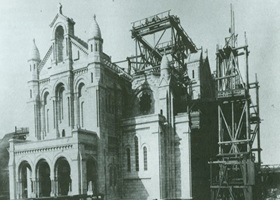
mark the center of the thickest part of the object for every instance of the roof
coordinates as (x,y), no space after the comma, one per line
(94,30)
(34,53)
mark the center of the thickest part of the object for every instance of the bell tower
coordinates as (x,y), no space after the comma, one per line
(63,29)
(34,99)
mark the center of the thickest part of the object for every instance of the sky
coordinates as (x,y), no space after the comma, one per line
(206,22)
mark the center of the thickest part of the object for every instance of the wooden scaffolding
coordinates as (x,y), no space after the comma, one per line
(233,174)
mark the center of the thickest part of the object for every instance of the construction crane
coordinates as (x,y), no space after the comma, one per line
(233,173)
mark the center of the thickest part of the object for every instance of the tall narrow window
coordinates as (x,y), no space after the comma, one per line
(30,93)
(47,115)
(145,158)
(82,114)
(128,159)
(68,103)
(96,47)
(91,48)
(66,46)
(59,40)
(54,114)
(136,153)
(91,77)
(61,96)
(192,73)
(82,104)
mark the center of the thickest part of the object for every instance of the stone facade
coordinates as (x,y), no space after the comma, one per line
(96,129)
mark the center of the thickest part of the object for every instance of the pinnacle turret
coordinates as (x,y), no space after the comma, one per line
(34,53)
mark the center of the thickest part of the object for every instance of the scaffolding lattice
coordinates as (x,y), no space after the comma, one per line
(233,174)
(158,35)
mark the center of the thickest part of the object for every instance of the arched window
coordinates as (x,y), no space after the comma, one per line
(128,159)
(145,159)
(82,104)
(61,97)
(145,102)
(136,153)
(59,40)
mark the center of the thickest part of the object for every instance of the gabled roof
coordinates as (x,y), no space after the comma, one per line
(59,14)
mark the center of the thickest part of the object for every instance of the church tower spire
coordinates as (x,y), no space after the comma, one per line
(34,99)
(34,60)
(95,41)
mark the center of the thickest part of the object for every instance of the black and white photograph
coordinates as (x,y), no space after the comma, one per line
(139,100)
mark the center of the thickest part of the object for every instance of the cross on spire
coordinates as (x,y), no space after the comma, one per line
(60,8)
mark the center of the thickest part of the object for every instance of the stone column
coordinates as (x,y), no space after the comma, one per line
(12,170)
(52,178)
(75,177)
(77,110)
(33,187)
(43,120)
(185,174)
(29,182)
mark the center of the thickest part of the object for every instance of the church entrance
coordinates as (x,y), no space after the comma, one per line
(44,179)
(63,172)
(25,177)
(91,177)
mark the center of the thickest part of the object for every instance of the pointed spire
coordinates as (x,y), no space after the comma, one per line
(94,30)
(34,54)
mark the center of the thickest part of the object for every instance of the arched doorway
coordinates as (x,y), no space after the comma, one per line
(63,171)
(43,175)
(91,177)
(25,180)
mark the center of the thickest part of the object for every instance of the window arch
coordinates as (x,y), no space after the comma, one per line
(61,102)
(82,104)
(136,153)
(145,102)
(145,158)
(128,160)
(59,40)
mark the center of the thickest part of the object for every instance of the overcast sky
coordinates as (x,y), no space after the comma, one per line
(206,22)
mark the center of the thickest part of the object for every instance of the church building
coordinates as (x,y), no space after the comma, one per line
(97,129)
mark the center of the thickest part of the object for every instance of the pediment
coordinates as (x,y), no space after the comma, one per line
(61,18)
